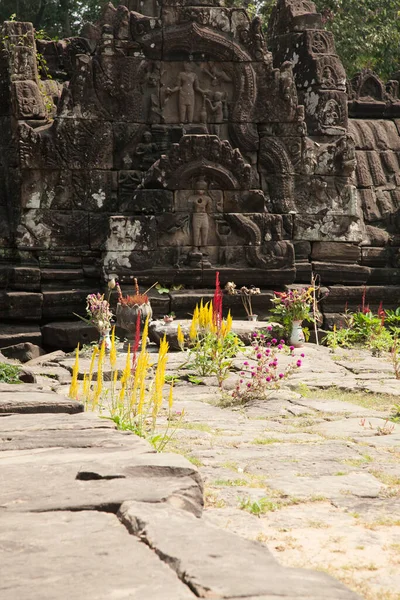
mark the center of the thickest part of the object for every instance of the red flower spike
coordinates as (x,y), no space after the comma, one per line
(217,302)
(136,342)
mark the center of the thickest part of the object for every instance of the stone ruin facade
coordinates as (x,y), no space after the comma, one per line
(172,140)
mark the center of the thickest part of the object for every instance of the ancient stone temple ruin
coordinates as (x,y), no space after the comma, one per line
(172,139)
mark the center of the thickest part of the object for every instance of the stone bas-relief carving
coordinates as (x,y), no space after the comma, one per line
(174,143)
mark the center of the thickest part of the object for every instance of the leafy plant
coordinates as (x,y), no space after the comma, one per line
(194,380)
(395,355)
(213,345)
(396,415)
(362,328)
(257,507)
(9,373)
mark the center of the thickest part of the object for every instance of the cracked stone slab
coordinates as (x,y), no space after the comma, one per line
(93,478)
(217,564)
(80,555)
(37,402)
(353,427)
(361,485)
(367,365)
(52,422)
(385,387)
(336,407)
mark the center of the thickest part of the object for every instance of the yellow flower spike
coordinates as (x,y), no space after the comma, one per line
(194,327)
(99,383)
(145,334)
(210,318)
(223,329)
(228,323)
(74,387)
(113,350)
(92,361)
(180,337)
(171,396)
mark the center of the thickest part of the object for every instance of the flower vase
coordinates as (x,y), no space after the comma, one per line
(127,318)
(297,335)
(252,317)
(104,336)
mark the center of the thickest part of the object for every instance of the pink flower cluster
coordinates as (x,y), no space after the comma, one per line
(265,374)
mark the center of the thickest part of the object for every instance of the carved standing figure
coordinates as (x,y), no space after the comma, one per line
(188,85)
(216,107)
(200,204)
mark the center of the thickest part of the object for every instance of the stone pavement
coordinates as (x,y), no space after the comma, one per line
(302,474)
(292,481)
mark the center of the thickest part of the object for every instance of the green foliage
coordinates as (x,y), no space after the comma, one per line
(367,33)
(257,507)
(59,18)
(213,354)
(9,373)
(364,329)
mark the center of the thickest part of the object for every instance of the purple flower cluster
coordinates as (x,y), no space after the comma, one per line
(265,374)
(98,311)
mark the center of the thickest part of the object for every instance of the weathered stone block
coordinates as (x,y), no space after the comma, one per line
(24,351)
(336,252)
(28,101)
(341,273)
(128,234)
(375,257)
(244,202)
(40,229)
(142,202)
(329,227)
(302,250)
(17,334)
(386,276)
(68,334)
(25,278)
(63,303)
(24,306)
(340,296)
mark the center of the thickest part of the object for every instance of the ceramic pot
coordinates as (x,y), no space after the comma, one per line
(297,335)
(127,316)
(252,317)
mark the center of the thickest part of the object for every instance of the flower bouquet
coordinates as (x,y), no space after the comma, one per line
(98,314)
(292,308)
(245,296)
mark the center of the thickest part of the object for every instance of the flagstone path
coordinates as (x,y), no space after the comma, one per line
(312,473)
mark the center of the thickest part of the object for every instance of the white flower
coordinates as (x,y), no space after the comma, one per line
(112,284)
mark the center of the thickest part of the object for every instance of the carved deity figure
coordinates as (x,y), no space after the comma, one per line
(200,204)
(331,114)
(147,150)
(216,108)
(329,77)
(187,86)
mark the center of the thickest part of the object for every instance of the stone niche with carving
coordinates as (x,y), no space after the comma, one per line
(167,142)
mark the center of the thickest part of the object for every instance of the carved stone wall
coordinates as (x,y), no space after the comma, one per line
(167,142)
